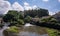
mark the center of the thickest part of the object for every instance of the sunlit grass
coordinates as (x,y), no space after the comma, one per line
(53,32)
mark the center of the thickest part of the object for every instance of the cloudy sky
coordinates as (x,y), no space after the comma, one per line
(52,5)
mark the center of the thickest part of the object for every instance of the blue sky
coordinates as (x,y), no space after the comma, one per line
(51,5)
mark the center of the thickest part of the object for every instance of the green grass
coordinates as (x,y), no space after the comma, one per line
(13,29)
(53,32)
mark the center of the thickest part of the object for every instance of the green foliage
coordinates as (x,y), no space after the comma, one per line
(53,20)
(53,32)
(21,16)
(36,12)
(49,19)
(44,20)
(13,29)
(28,19)
(20,22)
(8,17)
(14,18)
(14,13)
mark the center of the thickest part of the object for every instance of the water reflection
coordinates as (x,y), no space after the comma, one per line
(4,27)
(31,34)
(28,30)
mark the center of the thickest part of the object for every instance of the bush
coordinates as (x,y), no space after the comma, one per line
(20,22)
(49,19)
(28,19)
(53,32)
(13,29)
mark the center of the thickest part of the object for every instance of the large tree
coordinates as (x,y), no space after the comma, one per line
(14,17)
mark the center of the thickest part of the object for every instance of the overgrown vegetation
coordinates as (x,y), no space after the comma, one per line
(53,32)
(14,17)
(17,19)
(12,31)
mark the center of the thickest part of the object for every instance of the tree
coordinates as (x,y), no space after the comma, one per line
(14,17)
(43,12)
(21,16)
(14,13)
(37,12)
(28,19)
(8,18)
(20,22)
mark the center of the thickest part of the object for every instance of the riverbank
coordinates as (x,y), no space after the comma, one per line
(32,30)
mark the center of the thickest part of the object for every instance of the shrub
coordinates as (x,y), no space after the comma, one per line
(13,29)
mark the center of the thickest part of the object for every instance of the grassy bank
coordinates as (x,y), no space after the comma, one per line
(53,32)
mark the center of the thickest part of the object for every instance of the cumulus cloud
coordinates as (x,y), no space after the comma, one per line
(4,6)
(17,6)
(26,4)
(45,0)
(58,0)
(52,13)
(28,7)
(34,7)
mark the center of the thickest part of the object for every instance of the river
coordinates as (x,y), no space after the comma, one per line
(28,30)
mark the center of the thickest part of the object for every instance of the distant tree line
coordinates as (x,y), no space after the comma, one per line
(36,13)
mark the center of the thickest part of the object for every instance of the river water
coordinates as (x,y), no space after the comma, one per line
(28,30)
(32,30)
(4,27)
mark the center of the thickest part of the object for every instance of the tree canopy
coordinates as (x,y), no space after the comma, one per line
(36,12)
(14,17)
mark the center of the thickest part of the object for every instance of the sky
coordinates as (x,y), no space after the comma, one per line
(52,5)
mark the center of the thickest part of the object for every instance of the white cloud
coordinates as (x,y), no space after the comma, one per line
(28,7)
(58,0)
(52,13)
(45,0)
(34,7)
(1,0)
(26,4)
(4,6)
(17,6)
